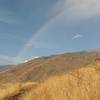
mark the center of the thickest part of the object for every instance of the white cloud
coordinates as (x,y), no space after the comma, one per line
(8,60)
(77,36)
(79,9)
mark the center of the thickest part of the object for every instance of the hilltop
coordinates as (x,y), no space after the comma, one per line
(41,68)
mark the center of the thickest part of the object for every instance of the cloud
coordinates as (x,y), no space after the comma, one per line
(8,17)
(8,60)
(80,9)
(77,36)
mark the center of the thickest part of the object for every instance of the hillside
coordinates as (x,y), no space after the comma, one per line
(44,67)
(78,84)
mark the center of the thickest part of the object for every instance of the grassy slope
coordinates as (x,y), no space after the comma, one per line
(78,84)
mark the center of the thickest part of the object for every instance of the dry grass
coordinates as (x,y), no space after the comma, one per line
(15,90)
(79,84)
(82,84)
(8,89)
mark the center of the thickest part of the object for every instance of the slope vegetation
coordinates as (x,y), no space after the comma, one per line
(78,84)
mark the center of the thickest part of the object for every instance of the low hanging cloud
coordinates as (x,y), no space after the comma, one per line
(8,60)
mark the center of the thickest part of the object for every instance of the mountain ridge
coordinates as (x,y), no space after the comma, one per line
(43,67)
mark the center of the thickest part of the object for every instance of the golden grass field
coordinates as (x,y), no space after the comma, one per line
(78,84)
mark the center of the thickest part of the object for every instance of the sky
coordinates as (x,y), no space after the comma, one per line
(34,28)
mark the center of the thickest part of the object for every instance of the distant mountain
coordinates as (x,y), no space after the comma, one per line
(44,67)
(4,66)
(1,66)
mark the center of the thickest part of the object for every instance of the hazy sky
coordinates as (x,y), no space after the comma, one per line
(43,27)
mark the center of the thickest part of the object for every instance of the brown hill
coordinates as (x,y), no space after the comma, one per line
(41,68)
(69,76)
(78,84)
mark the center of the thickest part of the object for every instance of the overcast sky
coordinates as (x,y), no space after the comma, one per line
(30,28)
